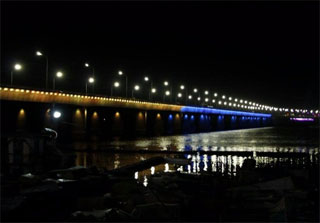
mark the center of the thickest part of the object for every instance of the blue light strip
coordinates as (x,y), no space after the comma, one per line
(221,111)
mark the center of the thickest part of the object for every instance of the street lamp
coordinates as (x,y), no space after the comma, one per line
(179,96)
(40,54)
(90,81)
(88,65)
(15,67)
(206,92)
(146,79)
(136,88)
(166,83)
(120,73)
(116,85)
(182,87)
(59,74)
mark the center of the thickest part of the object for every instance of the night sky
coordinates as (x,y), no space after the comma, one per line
(267,52)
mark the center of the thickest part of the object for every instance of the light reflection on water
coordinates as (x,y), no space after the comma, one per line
(255,140)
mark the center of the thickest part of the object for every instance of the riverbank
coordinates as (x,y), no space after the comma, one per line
(280,193)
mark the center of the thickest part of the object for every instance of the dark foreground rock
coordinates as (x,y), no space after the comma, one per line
(92,195)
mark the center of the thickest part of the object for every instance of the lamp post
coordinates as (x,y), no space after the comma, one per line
(15,67)
(182,87)
(167,93)
(59,74)
(146,79)
(153,90)
(166,83)
(120,73)
(88,65)
(116,85)
(136,88)
(40,54)
(90,81)
(179,95)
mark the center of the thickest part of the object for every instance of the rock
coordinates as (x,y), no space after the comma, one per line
(157,211)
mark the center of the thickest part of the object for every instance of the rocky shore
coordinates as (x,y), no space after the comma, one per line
(271,194)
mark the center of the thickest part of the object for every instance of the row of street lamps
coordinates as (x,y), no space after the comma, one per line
(233,102)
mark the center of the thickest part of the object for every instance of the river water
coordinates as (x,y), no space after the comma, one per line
(270,139)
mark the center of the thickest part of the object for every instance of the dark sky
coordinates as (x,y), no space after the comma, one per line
(267,52)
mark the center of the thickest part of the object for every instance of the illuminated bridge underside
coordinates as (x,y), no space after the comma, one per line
(83,100)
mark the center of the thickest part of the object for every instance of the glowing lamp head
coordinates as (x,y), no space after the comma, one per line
(17,66)
(223,97)
(182,87)
(146,78)
(86,65)
(179,95)
(230,98)
(219,102)
(213,101)
(91,80)
(206,92)
(153,90)
(166,83)
(56,114)
(167,93)
(137,87)
(38,53)
(198,98)
(116,84)
(59,74)
(120,72)
(215,94)
(195,90)
(206,99)
(190,96)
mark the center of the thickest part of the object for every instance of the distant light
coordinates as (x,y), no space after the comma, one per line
(206,92)
(167,93)
(57,114)
(17,66)
(215,94)
(245,102)
(120,72)
(86,64)
(236,99)
(213,101)
(38,53)
(166,83)
(190,96)
(219,102)
(182,87)
(206,99)
(223,97)
(146,78)
(91,80)
(198,98)
(230,98)
(225,103)
(116,84)
(303,119)
(195,90)
(241,101)
(179,95)
(59,74)
(153,90)
(136,87)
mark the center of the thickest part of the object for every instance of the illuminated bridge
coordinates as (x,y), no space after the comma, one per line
(76,114)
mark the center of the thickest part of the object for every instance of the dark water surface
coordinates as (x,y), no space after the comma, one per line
(270,139)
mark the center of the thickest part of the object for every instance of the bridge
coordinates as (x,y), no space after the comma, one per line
(75,115)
